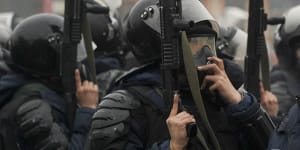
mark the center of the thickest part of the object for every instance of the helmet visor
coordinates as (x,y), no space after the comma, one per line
(202,46)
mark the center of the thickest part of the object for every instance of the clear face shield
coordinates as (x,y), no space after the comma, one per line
(195,54)
(202,46)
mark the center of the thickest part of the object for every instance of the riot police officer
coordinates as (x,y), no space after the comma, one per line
(285,76)
(136,117)
(33,114)
(106,34)
(285,82)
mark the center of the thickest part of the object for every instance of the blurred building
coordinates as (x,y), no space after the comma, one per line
(22,7)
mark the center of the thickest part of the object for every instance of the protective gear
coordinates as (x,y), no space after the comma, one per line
(202,47)
(33,119)
(106,34)
(55,140)
(31,101)
(26,104)
(285,77)
(232,42)
(36,126)
(35,45)
(143,22)
(147,121)
(286,37)
(109,124)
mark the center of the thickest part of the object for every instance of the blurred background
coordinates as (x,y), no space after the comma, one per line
(222,9)
(227,12)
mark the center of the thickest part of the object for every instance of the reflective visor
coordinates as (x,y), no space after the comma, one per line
(202,46)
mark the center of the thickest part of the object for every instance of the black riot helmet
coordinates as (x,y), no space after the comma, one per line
(143,26)
(287,39)
(106,34)
(35,46)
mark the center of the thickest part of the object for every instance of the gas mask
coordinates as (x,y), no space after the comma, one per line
(202,46)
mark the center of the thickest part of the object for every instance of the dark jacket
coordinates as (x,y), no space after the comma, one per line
(225,120)
(82,119)
(9,83)
(287,134)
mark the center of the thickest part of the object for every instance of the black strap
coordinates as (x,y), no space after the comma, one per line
(193,81)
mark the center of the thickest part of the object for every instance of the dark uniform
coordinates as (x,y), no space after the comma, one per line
(134,116)
(286,83)
(285,76)
(287,134)
(33,112)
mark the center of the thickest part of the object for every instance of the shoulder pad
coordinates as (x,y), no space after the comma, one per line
(106,138)
(108,125)
(107,117)
(120,99)
(34,115)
